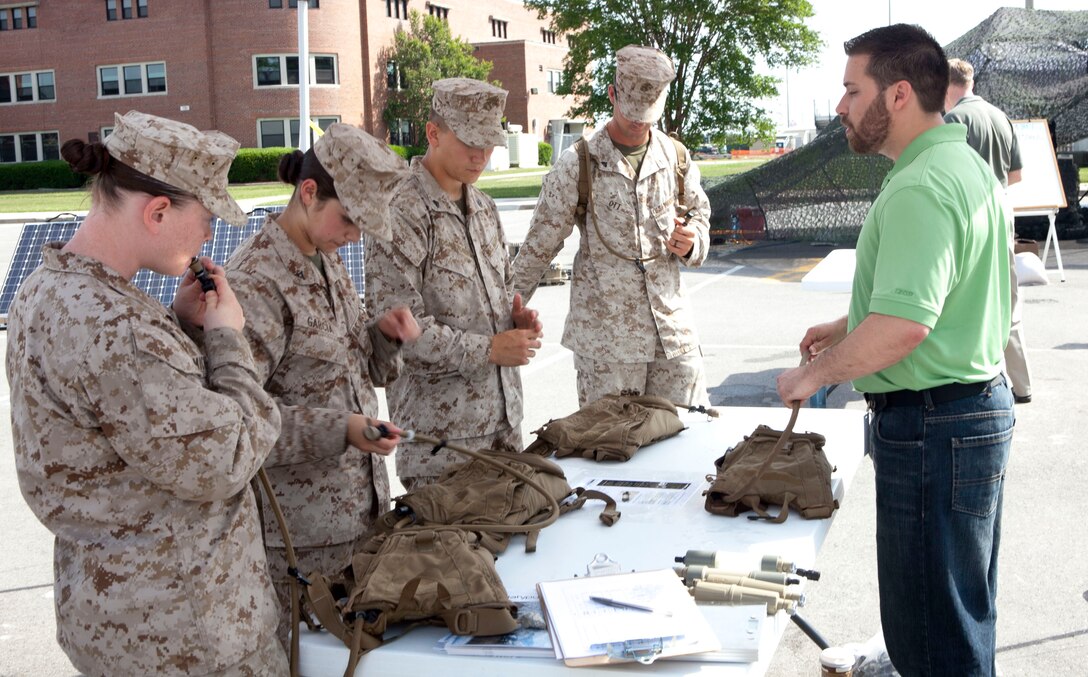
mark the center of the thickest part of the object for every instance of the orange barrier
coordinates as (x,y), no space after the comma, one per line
(770,152)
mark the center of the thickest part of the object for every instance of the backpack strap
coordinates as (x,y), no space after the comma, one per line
(738,495)
(580,147)
(682,165)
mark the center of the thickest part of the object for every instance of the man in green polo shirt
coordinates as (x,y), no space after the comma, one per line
(923,339)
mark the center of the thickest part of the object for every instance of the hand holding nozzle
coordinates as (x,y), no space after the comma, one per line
(376,432)
(201,274)
(682,239)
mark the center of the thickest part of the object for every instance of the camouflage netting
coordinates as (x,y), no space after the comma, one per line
(1030,63)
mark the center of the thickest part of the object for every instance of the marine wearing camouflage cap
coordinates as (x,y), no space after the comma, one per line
(179,155)
(472,109)
(364,172)
(643,76)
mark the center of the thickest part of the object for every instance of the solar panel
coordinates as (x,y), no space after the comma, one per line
(226,238)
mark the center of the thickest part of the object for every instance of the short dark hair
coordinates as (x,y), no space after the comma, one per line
(905,52)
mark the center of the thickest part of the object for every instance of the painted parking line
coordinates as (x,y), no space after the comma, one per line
(712,279)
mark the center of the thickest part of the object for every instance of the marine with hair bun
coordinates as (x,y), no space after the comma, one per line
(137,427)
(319,354)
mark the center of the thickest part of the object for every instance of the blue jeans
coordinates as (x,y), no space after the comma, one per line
(940,472)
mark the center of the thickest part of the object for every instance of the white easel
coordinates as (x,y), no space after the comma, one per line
(1040,192)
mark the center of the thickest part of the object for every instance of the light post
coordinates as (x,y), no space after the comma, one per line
(303,76)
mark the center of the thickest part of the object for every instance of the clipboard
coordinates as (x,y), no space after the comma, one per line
(585,632)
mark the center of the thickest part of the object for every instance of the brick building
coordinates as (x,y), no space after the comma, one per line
(67,65)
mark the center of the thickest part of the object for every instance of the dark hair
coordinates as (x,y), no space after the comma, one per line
(905,52)
(110,176)
(296,166)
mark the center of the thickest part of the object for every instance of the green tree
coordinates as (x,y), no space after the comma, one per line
(715,45)
(426,52)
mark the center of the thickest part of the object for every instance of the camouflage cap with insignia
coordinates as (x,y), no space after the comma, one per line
(472,109)
(364,171)
(179,155)
(643,75)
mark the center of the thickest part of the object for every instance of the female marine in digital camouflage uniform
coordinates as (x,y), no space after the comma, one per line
(319,354)
(134,444)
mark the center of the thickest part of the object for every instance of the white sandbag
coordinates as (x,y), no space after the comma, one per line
(1030,270)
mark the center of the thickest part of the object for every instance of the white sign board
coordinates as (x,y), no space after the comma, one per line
(1041,185)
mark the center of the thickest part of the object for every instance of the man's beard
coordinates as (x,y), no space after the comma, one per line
(871,133)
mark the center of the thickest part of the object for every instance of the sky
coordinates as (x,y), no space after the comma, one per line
(839,20)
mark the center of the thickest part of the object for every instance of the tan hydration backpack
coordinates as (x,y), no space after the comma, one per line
(770,467)
(431,561)
(481,492)
(612,428)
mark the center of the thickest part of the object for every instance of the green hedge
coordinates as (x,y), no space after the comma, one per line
(33,175)
(250,166)
(544,153)
(256,164)
(409,152)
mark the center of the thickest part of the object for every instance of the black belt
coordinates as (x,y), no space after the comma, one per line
(938,395)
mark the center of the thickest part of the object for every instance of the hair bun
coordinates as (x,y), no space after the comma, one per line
(85,158)
(291,166)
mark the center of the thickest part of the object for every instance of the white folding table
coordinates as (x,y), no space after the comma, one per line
(644,538)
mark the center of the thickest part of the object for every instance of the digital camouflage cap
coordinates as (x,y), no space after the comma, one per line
(643,76)
(364,171)
(179,155)
(472,109)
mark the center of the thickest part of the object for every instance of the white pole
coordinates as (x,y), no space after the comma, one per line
(303,76)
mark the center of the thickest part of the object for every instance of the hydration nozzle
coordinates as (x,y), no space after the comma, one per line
(695,574)
(731,560)
(690,573)
(739,595)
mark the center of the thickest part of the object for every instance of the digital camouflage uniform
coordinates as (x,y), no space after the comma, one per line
(625,326)
(320,356)
(136,449)
(459,289)
(621,318)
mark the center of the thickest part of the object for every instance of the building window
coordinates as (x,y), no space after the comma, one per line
(283,132)
(278,70)
(132,79)
(293,4)
(394,77)
(127,7)
(498,28)
(27,87)
(29,147)
(555,78)
(438,11)
(547,36)
(396,9)
(400,132)
(18,17)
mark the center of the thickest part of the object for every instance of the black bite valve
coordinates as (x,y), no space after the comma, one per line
(377,432)
(810,574)
(206,282)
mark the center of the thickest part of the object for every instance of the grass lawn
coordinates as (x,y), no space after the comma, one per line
(1084,174)
(529,186)
(77,199)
